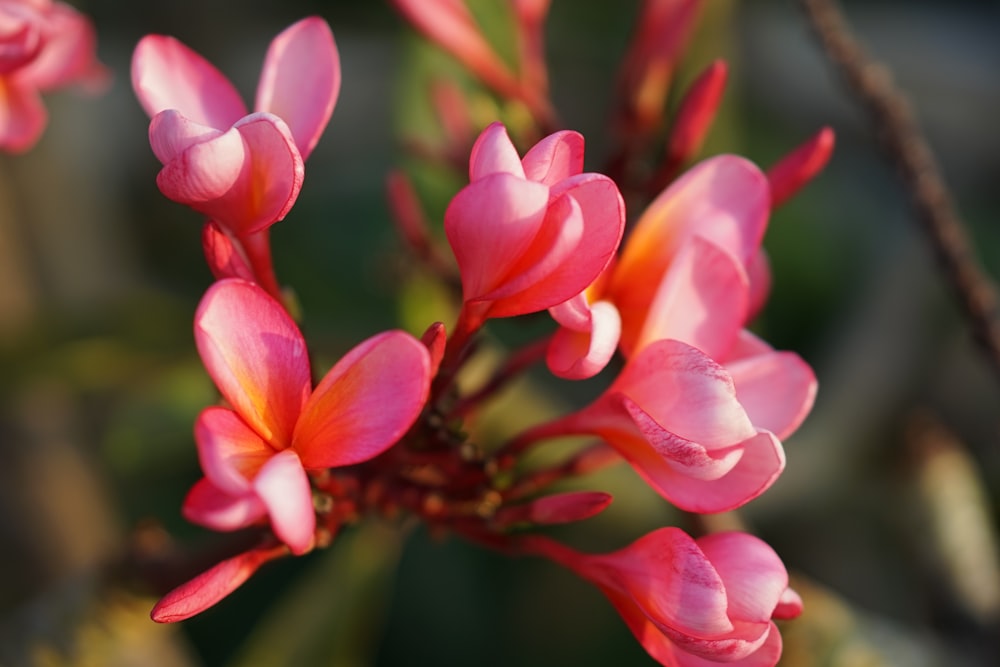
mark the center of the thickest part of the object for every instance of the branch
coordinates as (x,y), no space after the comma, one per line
(906,147)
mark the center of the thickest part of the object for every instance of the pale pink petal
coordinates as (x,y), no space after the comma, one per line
(166,74)
(209,506)
(577,355)
(229,451)
(68,54)
(490,224)
(171,133)
(22,117)
(366,402)
(747,344)
(761,462)
(554,158)
(205,590)
(726,199)
(245,179)
(256,356)
(686,392)
(754,576)
(300,80)
(702,300)
(224,259)
(284,489)
(573,313)
(777,389)
(494,153)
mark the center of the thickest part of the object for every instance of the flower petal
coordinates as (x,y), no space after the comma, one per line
(256,356)
(300,80)
(208,505)
(754,576)
(577,355)
(490,224)
(224,259)
(366,402)
(229,451)
(494,153)
(22,116)
(554,158)
(702,300)
(777,389)
(205,590)
(726,199)
(284,489)
(166,74)
(171,133)
(68,54)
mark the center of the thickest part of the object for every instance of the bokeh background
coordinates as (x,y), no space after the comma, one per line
(886,514)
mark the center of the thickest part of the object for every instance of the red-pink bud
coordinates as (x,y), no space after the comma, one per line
(695,115)
(796,169)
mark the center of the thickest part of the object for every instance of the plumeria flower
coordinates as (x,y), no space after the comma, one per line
(255,452)
(691,603)
(530,233)
(677,417)
(43,45)
(693,271)
(242,170)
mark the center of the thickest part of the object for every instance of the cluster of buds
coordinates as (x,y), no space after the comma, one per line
(695,403)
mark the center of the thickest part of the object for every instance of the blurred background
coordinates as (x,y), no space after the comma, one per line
(886,514)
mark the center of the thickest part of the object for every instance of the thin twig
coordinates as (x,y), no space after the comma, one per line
(906,147)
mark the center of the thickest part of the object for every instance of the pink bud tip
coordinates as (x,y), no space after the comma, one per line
(796,169)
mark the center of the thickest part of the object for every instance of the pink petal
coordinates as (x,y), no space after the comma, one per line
(224,259)
(685,392)
(490,224)
(208,505)
(205,590)
(68,54)
(725,199)
(777,389)
(702,300)
(533,282)
(256,356)
(754,576)
(577,355)
(166,74)
(759,273)
(366,402)
(229,451)
(554,158)
(20,37)
(245,179)
(761,462)
(170,134)
(284,489)
(765,651)
(789,605)
(493,153)
(22,117)
(300,80)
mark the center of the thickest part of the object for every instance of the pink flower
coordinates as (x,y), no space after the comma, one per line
(243,171)
(255,453)
(530,233)
(692,270)
(43,45)
(691,603)
(676,416)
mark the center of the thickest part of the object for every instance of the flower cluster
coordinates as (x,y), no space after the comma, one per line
(44,45)
(695,403)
